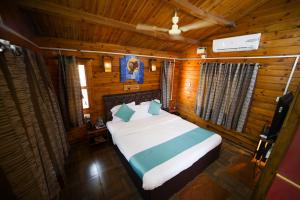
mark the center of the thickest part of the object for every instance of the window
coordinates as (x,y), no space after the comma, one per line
(84,90)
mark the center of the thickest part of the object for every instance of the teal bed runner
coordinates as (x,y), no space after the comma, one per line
(154,156)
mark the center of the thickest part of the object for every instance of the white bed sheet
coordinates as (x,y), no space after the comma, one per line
(135,136)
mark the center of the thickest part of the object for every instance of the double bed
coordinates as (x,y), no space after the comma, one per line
(161,152)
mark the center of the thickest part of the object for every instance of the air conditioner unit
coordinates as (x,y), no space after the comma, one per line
(238,43)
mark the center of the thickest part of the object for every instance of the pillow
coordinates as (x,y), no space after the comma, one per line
(141,112)
(154,108)
(157,100)
(148,102)
(125,113)
(116,108)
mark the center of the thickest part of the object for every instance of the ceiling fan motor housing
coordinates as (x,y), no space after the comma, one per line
(175,30)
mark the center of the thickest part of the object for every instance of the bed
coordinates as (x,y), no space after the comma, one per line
(159,175)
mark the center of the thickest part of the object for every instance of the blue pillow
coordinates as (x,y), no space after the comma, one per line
(154,108)
(125,113)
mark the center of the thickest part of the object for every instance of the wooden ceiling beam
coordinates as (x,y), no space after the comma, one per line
(14,37)
(98,46)
(190,8)
(78,15)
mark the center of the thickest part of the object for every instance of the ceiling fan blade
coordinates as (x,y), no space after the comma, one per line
(182,38)
(196,25)
(146,27)
(177,37)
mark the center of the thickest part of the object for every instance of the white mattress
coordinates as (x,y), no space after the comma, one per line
(135,136)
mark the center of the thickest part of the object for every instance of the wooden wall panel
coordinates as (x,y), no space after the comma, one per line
(279,25)
(102,83)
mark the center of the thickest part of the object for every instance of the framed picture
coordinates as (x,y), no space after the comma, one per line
(131,68)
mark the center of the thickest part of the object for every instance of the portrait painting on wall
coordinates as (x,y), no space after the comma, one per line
(131,68)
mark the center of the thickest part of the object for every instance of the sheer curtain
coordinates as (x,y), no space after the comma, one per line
(166,83)
(33,145)
(225,92)
(70,97)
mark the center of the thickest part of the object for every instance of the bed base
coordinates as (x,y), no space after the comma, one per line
(173,185)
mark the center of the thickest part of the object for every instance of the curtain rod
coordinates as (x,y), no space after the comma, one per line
(118,53)
(174,58)
(242,57)
(57,49)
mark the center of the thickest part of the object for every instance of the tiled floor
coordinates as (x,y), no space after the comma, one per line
(97,173)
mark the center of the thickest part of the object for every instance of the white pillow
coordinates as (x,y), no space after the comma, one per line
(148,102)
(141,112)
(115,109)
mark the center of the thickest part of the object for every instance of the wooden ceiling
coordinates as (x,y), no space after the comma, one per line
(114,21)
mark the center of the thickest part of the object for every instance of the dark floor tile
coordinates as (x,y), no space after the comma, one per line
(90,190)
(82,171)
(116,183)
(107,161)
(197,190)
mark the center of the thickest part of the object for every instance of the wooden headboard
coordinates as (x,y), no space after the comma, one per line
(116,99)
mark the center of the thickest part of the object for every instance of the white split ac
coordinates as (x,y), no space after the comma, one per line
(238,43)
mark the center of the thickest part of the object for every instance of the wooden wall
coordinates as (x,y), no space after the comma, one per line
(279,23)
(102,83)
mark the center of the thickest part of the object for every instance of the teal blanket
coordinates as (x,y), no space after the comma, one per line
(154,156)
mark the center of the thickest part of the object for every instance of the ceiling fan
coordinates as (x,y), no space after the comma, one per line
(175,31)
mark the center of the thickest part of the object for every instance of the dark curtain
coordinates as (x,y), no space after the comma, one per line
(225,92)
(33,145)
(166,81)
(70,97)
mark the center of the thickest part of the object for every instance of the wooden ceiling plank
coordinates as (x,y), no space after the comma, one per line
(101,7)
(208,5)
(126,9)
(142,7)
(75,14)
(94,6)
(215,30)
(188,7)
